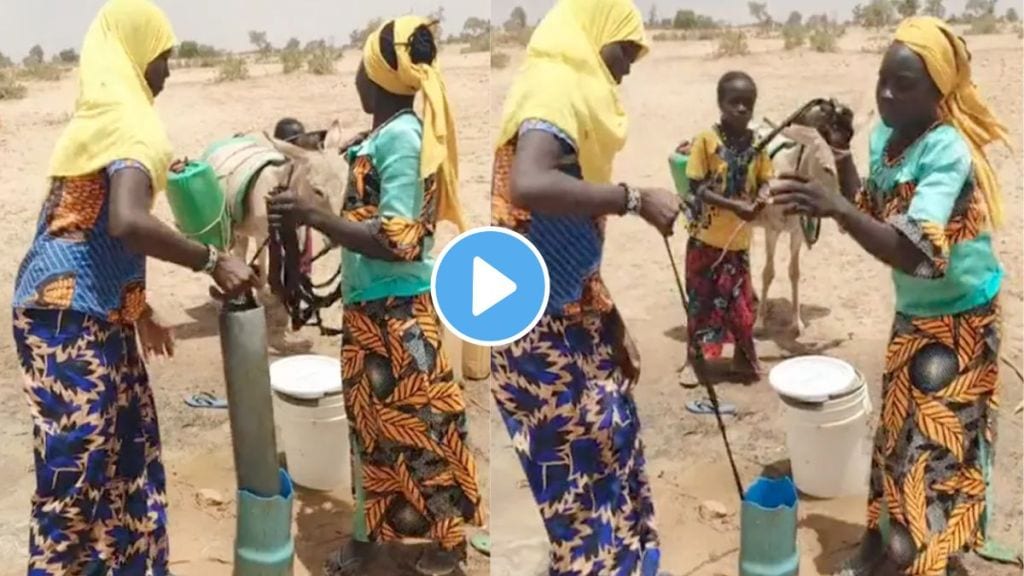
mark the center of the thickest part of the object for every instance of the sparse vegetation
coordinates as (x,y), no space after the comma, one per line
(793,36)
(877,14)
(732,43)
(986,24)
(1012,16)
(5,62)
(476,34)
(321,61)
(233,69)
(259,41)
(36,57)
(824,39)
(934,8)
(499,60)
(10,87)
(908,8)
(292,61)
(42,72)
(69,56)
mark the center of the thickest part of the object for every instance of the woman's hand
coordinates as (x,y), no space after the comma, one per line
(287,206)
(155,336)
(660,208)
(233,277)
(749,211)
(798,196)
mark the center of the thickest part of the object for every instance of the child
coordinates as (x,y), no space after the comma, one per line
(729,178)
(292,131)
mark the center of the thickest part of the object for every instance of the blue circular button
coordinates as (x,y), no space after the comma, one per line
(490,286)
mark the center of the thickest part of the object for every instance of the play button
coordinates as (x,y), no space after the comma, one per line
(490,286)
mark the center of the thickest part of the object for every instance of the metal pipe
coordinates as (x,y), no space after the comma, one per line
(243,344)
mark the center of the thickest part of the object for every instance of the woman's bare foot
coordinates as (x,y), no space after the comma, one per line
(747,369)
(688,376)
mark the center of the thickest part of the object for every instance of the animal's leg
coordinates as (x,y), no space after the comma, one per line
(796,242)
(771,239)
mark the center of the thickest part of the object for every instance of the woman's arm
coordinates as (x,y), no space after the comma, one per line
(849,178)
(131,222)
(880,239)
(355,236)
(538,186)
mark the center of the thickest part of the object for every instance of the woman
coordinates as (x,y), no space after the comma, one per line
(929,203)
(418,477)
(564,388)
(80,310)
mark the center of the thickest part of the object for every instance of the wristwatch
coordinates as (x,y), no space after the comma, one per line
(211,260)
(632,199)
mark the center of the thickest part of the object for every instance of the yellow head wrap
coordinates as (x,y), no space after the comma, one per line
(948,62)
(114,115)
(440,151)
(564,80)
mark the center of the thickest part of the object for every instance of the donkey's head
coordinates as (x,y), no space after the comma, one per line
(832,119)
(317,173)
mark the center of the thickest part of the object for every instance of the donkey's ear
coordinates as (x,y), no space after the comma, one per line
(333,139)
(290,150)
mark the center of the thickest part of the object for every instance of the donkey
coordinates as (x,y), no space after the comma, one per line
(802,148)
(798,150)
(250,169)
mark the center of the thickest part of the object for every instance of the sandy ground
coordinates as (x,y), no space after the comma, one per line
(197,443)
(847,299)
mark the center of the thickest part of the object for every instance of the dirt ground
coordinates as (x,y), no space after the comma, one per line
(197,443)
(847,299)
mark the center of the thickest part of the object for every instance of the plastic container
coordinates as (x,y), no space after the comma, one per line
(199,205)
(476,361)
(677,165)
(830,442)
(264,545)
(768,522)
(312,426)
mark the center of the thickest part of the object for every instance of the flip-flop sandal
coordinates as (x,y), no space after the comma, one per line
(704,407)
(481,543)
(206,400)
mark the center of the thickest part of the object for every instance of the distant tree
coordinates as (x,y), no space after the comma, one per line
(188,50)
(934,8)
(980,8)
(759,11)
(475,27)
(35,57)
(690,20)
(818,21)
(516,20)
(858,15)
(259,40)
(652,16)
(5,62)
(358,37)
(908,8)
(69,56)
(795,19)
(879,14)
(314,45)
(437,16)
(293,45)
(1012,15)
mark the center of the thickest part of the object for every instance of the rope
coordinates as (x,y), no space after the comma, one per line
(703,380)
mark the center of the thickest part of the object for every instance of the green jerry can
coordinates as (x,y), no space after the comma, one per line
(199,205)
(677,165)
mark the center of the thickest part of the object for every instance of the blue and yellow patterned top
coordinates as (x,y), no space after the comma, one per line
(928,194)
(74,263)
(385,188)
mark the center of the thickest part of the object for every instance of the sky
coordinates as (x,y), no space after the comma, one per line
(226,23)
(59,24)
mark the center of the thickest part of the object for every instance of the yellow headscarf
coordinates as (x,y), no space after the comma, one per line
(948,62)
(114,115)
(440,154)
(564,80)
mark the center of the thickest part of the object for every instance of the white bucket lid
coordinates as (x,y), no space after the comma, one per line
(812,378)
(307,377)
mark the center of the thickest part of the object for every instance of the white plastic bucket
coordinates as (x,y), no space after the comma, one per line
(309,411)
(830,443)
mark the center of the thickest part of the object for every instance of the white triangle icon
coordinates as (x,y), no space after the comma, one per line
(489,286)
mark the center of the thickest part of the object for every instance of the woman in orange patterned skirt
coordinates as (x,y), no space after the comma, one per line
(415,475)
(929,203)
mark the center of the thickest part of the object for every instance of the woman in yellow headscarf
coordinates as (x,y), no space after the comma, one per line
(927,210)
(80,310)
(416,477)
(564,388)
